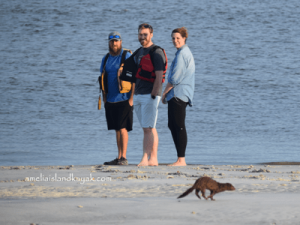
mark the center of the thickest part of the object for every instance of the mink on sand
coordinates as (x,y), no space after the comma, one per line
(204,183)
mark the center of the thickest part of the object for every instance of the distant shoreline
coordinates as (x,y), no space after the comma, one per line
(280,163)
(165,164)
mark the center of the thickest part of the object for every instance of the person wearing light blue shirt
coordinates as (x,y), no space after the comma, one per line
(179,92)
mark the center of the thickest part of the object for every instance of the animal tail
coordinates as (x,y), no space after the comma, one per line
(187,192)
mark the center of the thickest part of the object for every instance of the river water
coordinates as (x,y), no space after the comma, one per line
(247,96)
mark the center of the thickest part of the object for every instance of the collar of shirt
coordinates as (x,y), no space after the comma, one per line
(182,47)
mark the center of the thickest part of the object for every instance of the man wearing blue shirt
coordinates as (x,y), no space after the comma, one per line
(118,106)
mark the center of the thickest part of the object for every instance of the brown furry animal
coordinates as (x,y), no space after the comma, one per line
(204,183)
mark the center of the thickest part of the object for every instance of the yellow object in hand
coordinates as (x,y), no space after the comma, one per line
(99,102)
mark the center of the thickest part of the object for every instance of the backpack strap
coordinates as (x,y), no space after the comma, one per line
(136,51)
(105,60)
(100,78)
(123,56)
(153,50)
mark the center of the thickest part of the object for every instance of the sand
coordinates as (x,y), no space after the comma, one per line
(265,194)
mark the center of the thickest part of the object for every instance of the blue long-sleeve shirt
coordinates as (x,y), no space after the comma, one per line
(182,76)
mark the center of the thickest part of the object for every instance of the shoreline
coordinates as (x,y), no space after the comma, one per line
(280,163)
(163,164)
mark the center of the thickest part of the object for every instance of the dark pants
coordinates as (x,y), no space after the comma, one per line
(176,123)
(119,115)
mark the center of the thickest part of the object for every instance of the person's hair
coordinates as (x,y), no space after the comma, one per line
(146,26)
(182,31)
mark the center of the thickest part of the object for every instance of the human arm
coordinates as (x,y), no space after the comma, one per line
(159,61)
(166,91)
(157,83)
(101,70)
(132,93)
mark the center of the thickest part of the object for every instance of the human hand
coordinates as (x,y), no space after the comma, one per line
(163,99)
(130,101)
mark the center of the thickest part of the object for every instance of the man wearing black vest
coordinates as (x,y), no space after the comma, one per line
(151,62)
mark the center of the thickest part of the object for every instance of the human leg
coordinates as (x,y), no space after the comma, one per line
(147,113)
(147,146)
(119,143)
(110,114)
(122,141)
(123,147)
(176,124)
(153,155)
(150,144)
(119,117)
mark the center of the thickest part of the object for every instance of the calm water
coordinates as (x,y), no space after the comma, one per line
(247,98)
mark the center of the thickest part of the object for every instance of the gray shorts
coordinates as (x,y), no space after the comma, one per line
(146,109)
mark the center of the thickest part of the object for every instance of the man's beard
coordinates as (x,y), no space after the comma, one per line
(115,51)
(145,42)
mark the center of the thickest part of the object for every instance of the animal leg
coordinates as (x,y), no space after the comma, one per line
(196,192)
(212,193)
(203,193)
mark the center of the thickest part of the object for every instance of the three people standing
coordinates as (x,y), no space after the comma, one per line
(151,65)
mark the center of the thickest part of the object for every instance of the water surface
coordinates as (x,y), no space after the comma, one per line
(247,98)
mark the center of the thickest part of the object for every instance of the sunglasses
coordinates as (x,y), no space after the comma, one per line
(112,36)
(145,26)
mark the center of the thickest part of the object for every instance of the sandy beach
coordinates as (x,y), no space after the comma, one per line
(265,194)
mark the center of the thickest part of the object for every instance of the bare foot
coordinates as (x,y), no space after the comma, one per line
(153,162)
(178,164)
(144,160)
(143,163)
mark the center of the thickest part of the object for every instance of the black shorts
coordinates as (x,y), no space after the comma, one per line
(119,115)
